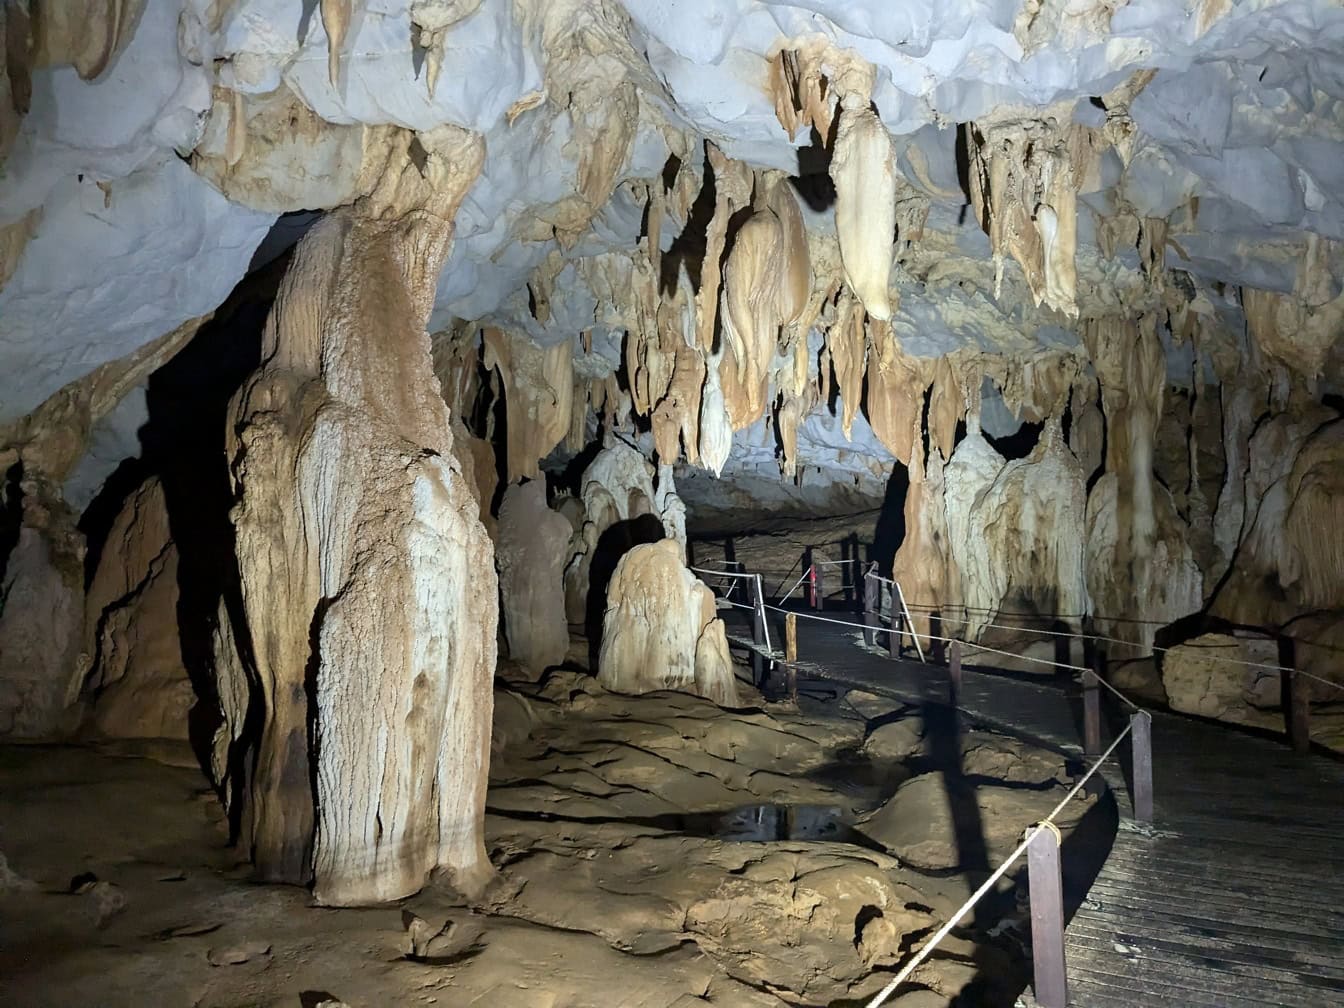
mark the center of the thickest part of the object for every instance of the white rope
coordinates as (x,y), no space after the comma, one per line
(1018,657)
(1103,682)
(832,563)
(1338,686)
(824,619)
(950,640)
(765,623)
(786,595)
(1093,637)
(723,573)
(1047,823)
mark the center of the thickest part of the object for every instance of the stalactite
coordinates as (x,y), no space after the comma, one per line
(336,22)
(863,167)
(1024,180)
(1302,328)
(716,429)
(846,340)
(539,389)
(431,19)
(732,192)
(896,387)
(88,36)
(947,405)
(766,283)
(676,419)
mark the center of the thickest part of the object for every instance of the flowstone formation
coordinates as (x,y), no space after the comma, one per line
(661,630)
(366,574)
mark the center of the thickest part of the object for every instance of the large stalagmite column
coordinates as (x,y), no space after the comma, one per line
(367,577)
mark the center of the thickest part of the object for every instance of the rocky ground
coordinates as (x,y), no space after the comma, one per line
(651,851)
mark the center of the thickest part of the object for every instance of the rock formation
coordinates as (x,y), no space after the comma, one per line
(139,687)
(367,577)
(43,661)
(660,630)
(532,551)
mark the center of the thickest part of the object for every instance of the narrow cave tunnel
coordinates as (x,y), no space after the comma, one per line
(552,504)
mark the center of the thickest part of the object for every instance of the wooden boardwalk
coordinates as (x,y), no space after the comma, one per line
(1233,897)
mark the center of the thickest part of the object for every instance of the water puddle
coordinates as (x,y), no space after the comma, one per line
(765,823)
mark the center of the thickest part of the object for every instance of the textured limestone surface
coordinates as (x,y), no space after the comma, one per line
(649,852)
(661,629)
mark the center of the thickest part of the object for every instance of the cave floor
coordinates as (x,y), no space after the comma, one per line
(1232,896)
(651,851)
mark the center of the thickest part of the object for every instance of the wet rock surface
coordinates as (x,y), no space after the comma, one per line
(649,850)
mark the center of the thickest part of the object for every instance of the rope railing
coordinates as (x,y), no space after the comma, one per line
(1099,638)
(931,637)
(1048,823)
(1042,841)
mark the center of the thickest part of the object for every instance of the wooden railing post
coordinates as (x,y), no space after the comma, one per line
(894,638)
(1091,715)
(791,654)
(1141,745)
(1296,698)
(954,671)
(809,579)
(818,585)
(758,666)
(1050,983)
(871,608)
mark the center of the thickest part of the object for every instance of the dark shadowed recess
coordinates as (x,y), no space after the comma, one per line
(183,445)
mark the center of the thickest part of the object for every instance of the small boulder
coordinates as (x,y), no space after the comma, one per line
(897,740)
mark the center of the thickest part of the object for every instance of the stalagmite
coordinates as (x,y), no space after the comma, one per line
(531,556)
(921,563)
(41,665)
(660,630)
(1032,521)
(365,569)
(42,661)
(863,166)
(973,579)
(617,487)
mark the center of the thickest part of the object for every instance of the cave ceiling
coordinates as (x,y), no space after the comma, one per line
(1049,163)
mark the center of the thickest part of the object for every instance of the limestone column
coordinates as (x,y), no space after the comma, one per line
(367,577)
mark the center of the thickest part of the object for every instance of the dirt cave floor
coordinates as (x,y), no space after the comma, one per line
(651,851)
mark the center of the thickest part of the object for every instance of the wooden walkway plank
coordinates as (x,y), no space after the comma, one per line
(1234,897)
